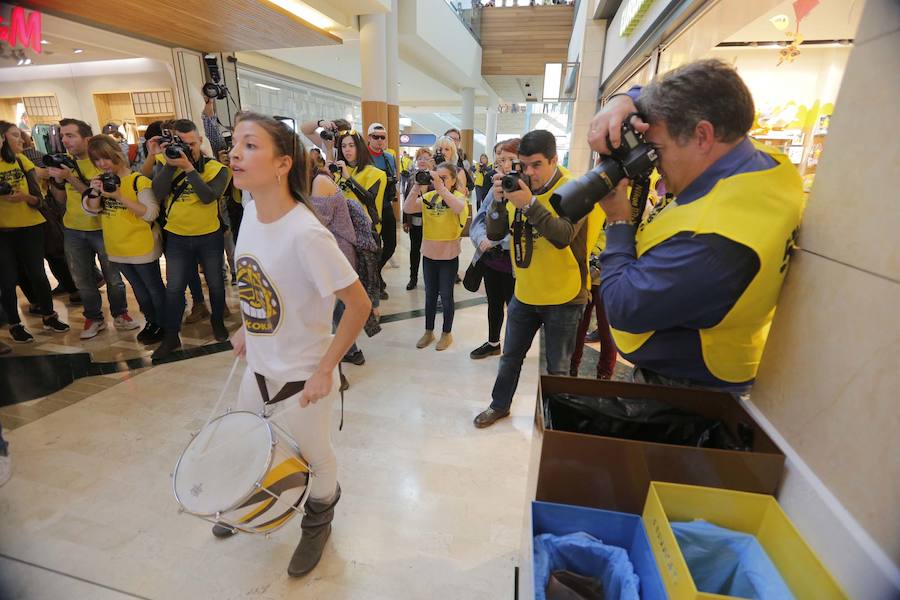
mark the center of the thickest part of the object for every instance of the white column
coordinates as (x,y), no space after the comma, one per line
(373,50)
(468,108)
(490,130)
(393,56)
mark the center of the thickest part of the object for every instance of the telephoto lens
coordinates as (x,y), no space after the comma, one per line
(423,177)
(57,161)
(510,181)
(327,135)
(177,148)
(110,182)
(438,157)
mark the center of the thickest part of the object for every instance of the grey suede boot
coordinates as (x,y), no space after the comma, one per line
(316,527)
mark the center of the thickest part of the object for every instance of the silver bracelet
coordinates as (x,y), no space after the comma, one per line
(613,223)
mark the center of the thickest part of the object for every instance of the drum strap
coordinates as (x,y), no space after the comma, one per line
(292,388)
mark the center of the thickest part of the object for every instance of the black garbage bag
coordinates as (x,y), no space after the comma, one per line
(641,420)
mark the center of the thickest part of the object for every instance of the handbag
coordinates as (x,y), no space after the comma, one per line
(474,275)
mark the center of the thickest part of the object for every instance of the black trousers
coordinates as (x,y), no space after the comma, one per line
(499,287)
(388,238)
(415,250)
(23,246)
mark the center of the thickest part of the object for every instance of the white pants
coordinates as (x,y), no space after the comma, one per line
(310,427)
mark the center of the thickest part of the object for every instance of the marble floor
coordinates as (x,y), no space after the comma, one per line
(431,507)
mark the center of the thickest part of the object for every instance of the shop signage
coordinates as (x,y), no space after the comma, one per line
(633,12)
(417,139)
(21,30)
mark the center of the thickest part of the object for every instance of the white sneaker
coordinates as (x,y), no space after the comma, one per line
(92,328)
(5,469)
(124,322)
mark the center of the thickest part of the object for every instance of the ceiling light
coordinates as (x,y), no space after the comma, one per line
(307,13)
(268,87)
(77,51)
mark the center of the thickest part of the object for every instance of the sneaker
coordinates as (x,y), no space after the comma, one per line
(5,468)
(154,335)
(220,530)
(55,325)
(143,333)
(92,328)
(485,350)
(4,349)
(425,340)
(356,358)
(444,342)
(19,334)
(124,322)
(411,285)
(220,332)
(197,314)
(384,295)
(593,337)
(489,417)
(169,345)
(75,298)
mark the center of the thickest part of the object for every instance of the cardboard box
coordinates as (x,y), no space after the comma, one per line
(612,528)
(756,514)
(615,474)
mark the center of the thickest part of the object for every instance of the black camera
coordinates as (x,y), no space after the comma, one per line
(438,157)
(510,181)
(5,188)
(334,168)
(58,161)
(226,139)
(634,159)
(423,178)
(110,182)
(215,89)
(327,135)
(176,145)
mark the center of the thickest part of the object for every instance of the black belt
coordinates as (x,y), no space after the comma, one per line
(292,388)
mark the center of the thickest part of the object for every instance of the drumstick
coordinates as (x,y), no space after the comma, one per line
(218,402)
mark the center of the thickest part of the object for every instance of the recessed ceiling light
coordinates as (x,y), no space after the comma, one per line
(77,51)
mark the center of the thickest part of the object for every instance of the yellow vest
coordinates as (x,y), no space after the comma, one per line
(17,214)
(553,277)
(367,178)
(75,217)
(479,175)
(124,233)
(405,163)
(439,222)
(189,216)
(761,210)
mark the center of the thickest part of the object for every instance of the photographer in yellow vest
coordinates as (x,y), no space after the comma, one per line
(83,239)
(358,177)
(127,208)
(550,261)
(691,292)
(188,188)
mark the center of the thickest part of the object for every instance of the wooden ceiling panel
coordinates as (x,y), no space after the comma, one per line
(203,25)
(520,41)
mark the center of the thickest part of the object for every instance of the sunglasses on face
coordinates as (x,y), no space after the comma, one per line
(378,137)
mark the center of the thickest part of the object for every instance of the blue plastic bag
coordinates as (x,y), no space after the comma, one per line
(584,554)
(731,563)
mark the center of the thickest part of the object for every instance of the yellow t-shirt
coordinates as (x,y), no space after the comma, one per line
(14,215)
(188,215)
(439,222)
(75,217)
(124,233)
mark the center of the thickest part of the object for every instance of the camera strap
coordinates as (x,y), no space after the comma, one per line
(523,240)
(79,173)
(640,190)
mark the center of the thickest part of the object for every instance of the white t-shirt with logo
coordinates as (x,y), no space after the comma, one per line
(287,274)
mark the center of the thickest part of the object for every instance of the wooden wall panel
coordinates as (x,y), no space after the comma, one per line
(202,25)
(520,41)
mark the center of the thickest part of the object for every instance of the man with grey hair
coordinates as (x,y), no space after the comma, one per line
(691,292)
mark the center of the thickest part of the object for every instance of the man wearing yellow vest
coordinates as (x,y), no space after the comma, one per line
(83,236)
(188,188)
(550,262)
(691,293)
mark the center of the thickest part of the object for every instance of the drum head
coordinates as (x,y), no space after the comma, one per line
(223,463)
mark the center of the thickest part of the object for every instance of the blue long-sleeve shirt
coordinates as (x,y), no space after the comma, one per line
(687,283)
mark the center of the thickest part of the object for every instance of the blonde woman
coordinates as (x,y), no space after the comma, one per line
(445,151)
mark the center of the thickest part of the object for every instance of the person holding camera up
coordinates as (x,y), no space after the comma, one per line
(22,235)
(462,162)
(550,261)
(322,134)
(70,176)
(384,160)
(444,213)
(127,208)
(691,293)
(188,188)
(480,170)
(499,283)
(412,221)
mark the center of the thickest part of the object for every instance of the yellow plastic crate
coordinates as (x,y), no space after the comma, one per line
(756,514)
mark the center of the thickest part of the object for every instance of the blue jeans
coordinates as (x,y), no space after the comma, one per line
(81,248)
(149,290)
(335,321)
(523,321)
(183,252)
(439,278)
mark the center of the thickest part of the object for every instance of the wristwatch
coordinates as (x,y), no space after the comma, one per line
(621,222)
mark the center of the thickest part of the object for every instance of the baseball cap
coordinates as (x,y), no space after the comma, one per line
(373,127)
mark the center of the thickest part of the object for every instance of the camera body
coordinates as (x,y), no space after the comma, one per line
(327,135)
(176,145)
(333,168)
(226,139)
(634,159)
(110,182)
(510,181)
(215,89)
(438,157)
(423,178)
(5,188)
(58,161)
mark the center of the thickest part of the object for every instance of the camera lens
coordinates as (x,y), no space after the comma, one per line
(334,168)
(423,177)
